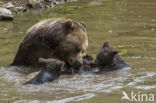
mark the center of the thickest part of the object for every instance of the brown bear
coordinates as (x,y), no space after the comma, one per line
(50,72)
(59,38)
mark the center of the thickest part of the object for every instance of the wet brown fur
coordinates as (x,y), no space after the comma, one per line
(50,41)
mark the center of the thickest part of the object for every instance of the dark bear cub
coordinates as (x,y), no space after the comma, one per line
(108,59)
(50,72)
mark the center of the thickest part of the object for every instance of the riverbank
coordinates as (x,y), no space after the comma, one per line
(13,7)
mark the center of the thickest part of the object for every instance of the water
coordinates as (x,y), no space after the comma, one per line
(129,26)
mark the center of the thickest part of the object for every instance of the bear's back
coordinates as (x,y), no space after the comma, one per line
(44,23)
(47,32)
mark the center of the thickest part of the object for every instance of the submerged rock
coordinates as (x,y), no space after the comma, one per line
(5,14)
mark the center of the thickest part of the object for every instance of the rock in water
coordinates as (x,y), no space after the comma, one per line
(5,14)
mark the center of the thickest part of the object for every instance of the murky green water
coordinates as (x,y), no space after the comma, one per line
(130,27)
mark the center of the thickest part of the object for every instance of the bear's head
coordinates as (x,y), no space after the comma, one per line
(53,65)
(105,55)
(72,47)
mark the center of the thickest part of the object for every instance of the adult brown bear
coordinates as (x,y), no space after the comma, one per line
(59,38)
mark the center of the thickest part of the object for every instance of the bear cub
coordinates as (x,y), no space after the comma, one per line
(108,59)
(50,72)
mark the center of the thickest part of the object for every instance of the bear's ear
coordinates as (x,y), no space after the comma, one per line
(42,60)
(69,25)
(106,44)
(113,53)
(83,23)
